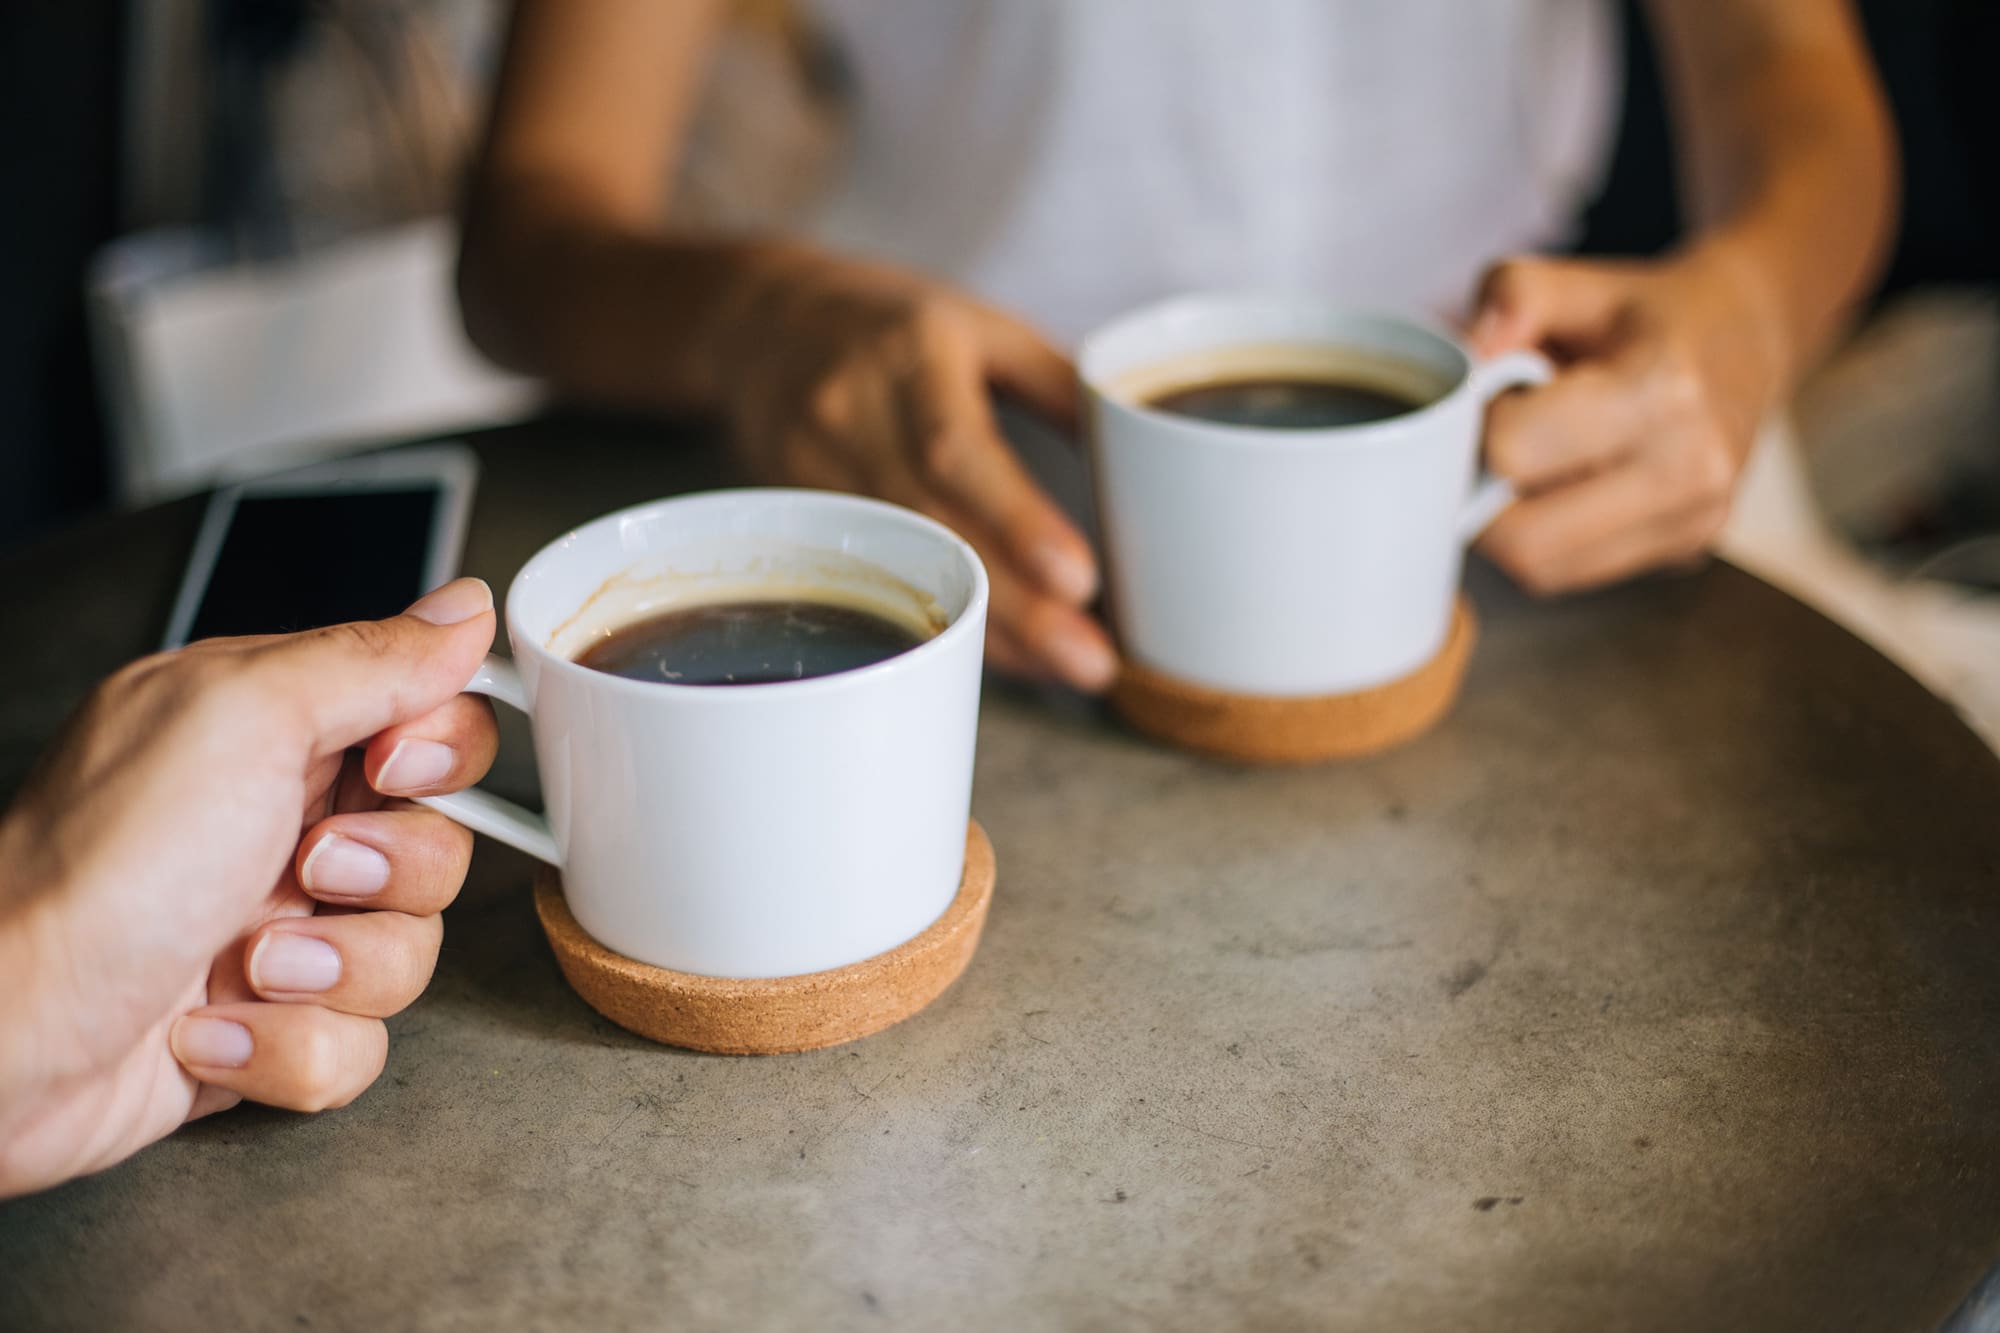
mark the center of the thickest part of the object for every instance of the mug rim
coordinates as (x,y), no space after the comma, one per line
(1261,300)
(745,695)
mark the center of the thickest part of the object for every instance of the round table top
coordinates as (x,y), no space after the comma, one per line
(1659,988)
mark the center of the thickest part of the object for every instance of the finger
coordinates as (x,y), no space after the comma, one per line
(1065,643)
(347,682)
(208,1099)
(351,790)
(1042,636)
(369,963)
(1674,542)
(962,456)
(1029,367)
(1053,639)
(813,460)
(403,858)
(1009,658)
(1580,422)
(1593,531)
(1533,302)
(447,749)
(297,1056)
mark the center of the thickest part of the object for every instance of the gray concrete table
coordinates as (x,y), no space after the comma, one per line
(1659,989)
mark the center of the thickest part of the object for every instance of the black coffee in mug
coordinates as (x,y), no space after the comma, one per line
(749,643)
(1283,402)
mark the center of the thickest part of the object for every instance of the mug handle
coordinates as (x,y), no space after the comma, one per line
(1491,494)
(482,811)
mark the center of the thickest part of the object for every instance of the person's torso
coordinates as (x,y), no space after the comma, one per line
(1071,160)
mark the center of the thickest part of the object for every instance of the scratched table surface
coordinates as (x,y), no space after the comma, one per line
(1659,988)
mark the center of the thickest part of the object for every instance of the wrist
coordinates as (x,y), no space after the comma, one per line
(1744,285)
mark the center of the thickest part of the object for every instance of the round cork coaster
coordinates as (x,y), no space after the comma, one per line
(773,1015)
(1264,729)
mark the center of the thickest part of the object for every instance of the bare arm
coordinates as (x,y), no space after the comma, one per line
(1787,153)
(828,372)
(567,270)
(1628,460)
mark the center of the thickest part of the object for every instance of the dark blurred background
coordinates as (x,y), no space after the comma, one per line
(92,121)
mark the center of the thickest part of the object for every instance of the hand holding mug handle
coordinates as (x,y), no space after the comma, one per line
(1489,380)
(482,811)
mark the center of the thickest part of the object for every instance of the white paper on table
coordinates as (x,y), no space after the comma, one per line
(216,371)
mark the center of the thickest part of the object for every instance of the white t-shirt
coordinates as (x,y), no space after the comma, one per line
(1071,159)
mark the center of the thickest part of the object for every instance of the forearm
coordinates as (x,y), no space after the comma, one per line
(1787,157)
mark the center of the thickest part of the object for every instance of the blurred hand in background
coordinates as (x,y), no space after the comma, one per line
(881,385)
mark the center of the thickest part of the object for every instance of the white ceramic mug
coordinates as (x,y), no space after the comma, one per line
(1286,562)
(752,830)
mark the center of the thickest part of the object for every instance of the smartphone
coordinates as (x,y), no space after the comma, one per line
(353,539)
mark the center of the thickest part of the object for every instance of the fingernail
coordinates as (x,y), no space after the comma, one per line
(344,867)
(457,601)
(414,765)
(298,964)
(211,1043)
(1067,574)
(1087,664)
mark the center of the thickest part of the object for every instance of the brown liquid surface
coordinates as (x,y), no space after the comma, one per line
(1283,403)
(749,643)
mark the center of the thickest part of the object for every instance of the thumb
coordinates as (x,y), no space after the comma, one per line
(1530,302)
(353,680)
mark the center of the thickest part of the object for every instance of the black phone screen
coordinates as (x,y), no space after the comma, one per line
(292,562)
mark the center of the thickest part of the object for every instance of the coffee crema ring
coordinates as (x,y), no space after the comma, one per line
(773,1015)
(1265,729)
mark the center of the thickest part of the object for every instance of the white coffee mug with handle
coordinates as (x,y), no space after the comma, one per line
(754,830)
(1277,561)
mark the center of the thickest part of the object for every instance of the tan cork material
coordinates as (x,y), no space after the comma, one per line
(773,1015)
(1261,729)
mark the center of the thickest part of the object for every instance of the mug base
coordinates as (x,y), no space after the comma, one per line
(1265,729)
(773,1015)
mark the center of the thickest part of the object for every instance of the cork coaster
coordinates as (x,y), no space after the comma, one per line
(1264,729)
(773,1015)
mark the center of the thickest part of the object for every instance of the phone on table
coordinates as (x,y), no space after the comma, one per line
(352,539)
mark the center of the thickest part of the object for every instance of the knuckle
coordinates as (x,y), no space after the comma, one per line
(940,455)
(1707,471)
(369,638)
(1512,282)
(1678,384)
(134,675)
(931,318)
(1707,526)
(160,684)
(897,338)
(452,854)
(420,949)
(1527,560)
(317,1065)
(1506,279)
(1716,476)
(1538,579)
(829,402)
